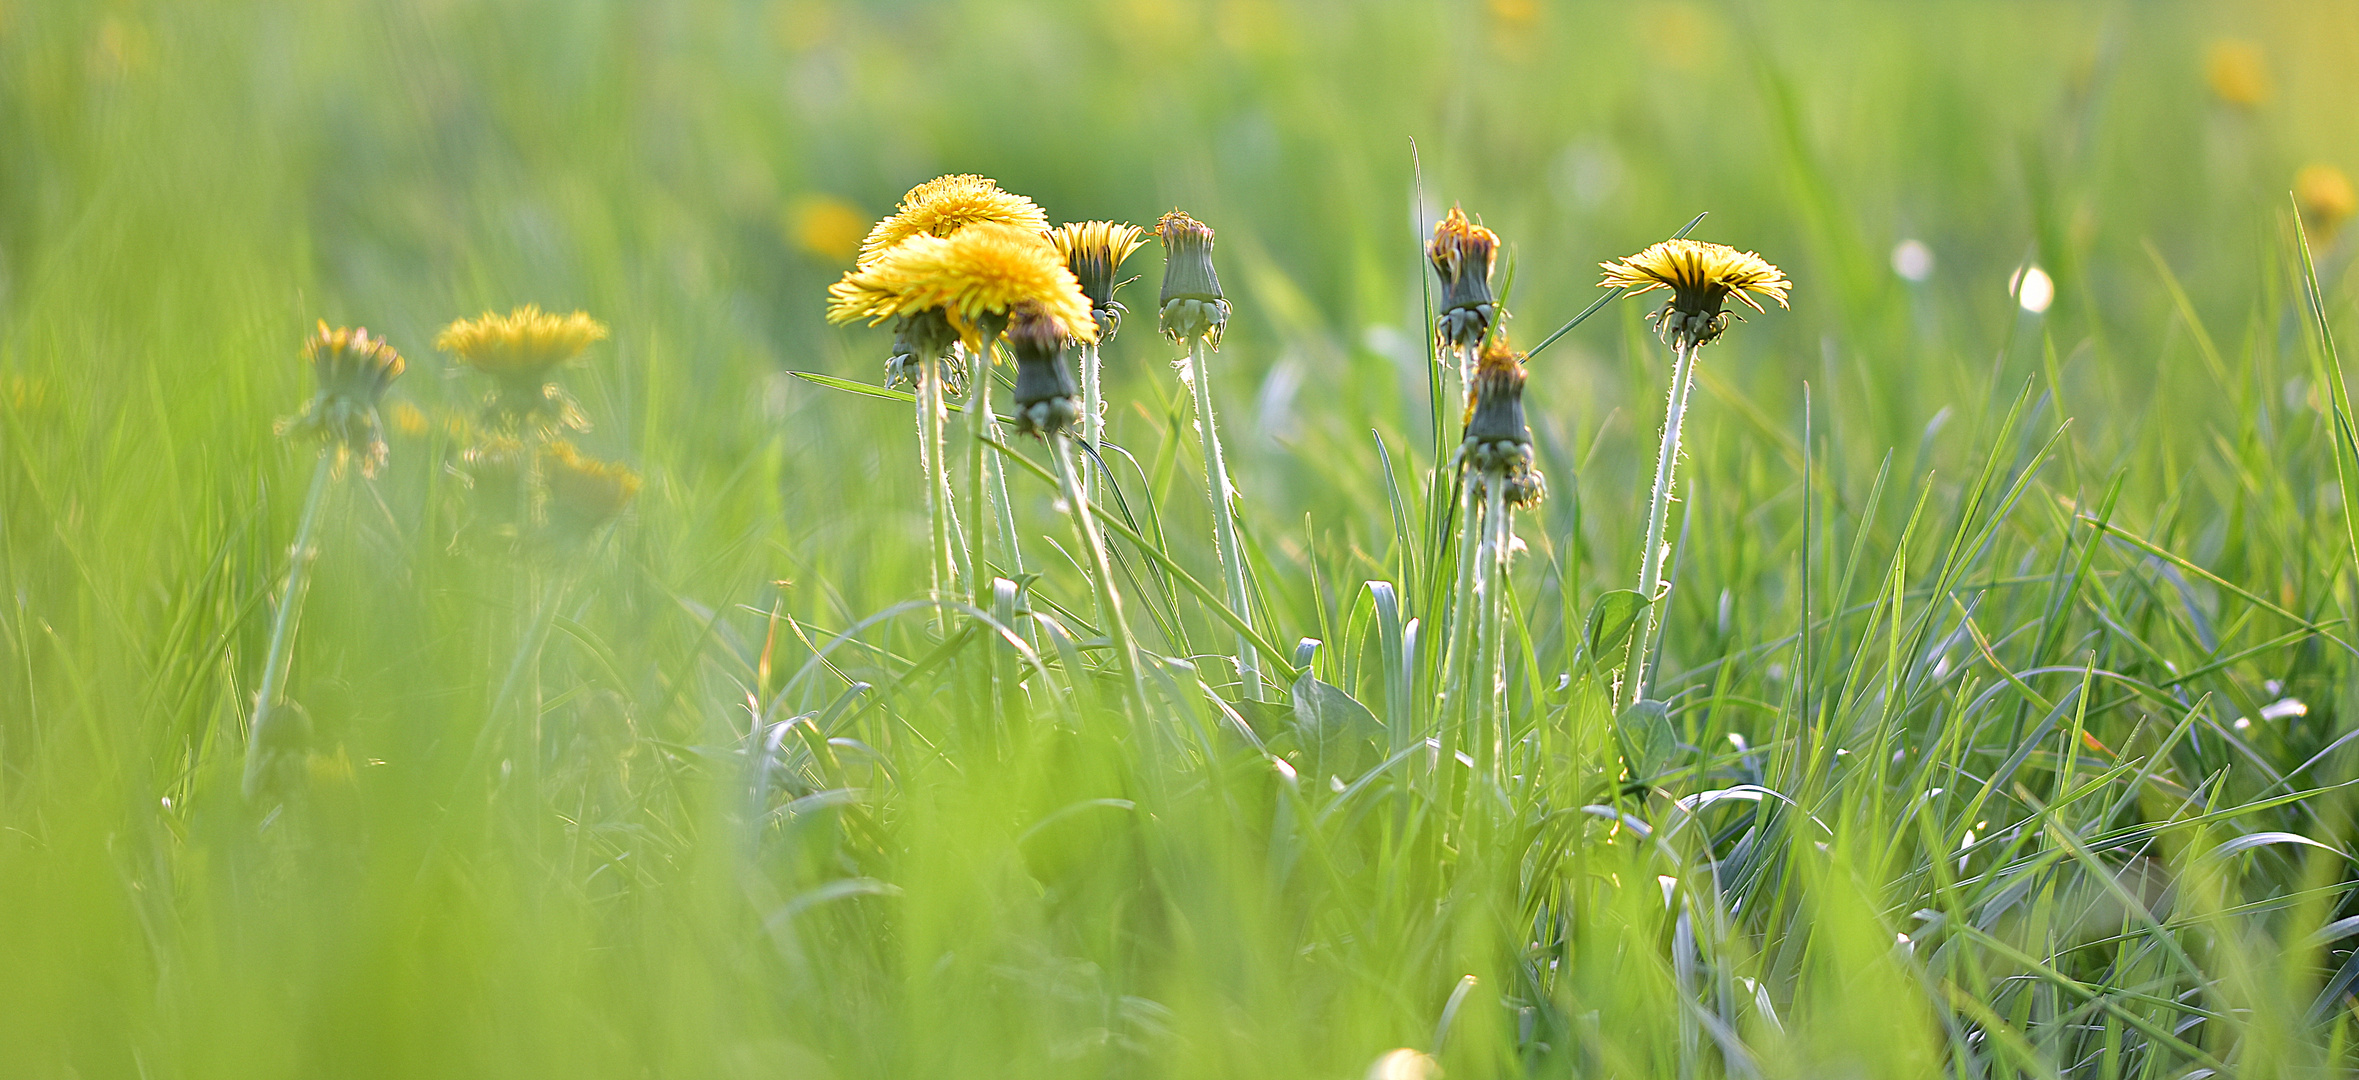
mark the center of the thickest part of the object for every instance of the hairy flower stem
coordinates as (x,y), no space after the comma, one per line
(989,491)
(1224,518)
(1093,420)
(1491,588)
(944,568)
(282,632)
(1101,570)
(1658,514)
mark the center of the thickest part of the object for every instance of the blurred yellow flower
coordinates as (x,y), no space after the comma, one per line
(2325,196)
(585,492)
(976,276)
(2237,72)
(826,227)
(523,345)
(1701,277)
(1517,14)
(353,370)
(946,204)
(409,420)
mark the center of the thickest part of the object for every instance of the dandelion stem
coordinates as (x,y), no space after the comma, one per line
(978,410)
(1658,512)
(282,631)
(1461,614)
(1101,567)
(1491,589)
(1093,420)
(933,456)
(1224,517)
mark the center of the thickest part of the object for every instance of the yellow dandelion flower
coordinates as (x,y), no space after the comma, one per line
(1094,251)
(523,345)
(975,276)
(1701,277)
(2237,71)
(2326,198)
(944,205)
(584,492)
(825,227)
(1463,255)
(353,371)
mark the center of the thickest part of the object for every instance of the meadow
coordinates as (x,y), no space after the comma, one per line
(1992,723)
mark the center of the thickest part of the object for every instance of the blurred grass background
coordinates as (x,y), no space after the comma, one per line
(184,187)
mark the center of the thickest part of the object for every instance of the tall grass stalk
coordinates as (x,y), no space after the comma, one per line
(1224,516)
(263,732)
(1658,512)
(1093,408)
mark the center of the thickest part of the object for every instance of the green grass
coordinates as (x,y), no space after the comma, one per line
(1942,566)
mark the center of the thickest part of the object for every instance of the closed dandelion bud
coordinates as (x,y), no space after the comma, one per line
(1701,277)
(1463,255)
(1094,251)
(521,351)
(584,492)
(1047,401)
(917,338)
(353,371)
(1192,304)
(1496,435)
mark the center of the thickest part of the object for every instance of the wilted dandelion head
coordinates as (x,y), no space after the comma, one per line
(353,371)
(975,277)
(1463,255)
(1094,251)
(1192,304)
(1047,401)
(1701,277)
(583,492)
(947,204)
(1495,428)
(2326,199)
(2237,72)
(522,346)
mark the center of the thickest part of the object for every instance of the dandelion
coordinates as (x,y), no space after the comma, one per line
(2325,197)
(520,351)
(584,493)
(974,276)
(1463,255)
(2237,72)
(1498,478)
(1193,314)
(947,204)
(1701,277)
(352,370)
(1094,251)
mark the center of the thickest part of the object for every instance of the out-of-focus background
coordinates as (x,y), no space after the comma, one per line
(1967,196)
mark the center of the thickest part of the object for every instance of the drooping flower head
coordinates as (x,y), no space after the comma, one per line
(946,204)
(1094,251)
(1463,255)
(975,277)
(1701,277)
(584,492)
(1193,306)
(1047,401)
(353,370)
(520,350)
(1498,442)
